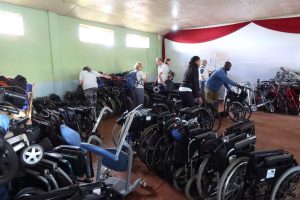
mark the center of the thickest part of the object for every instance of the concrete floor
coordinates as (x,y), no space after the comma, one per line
(272,131)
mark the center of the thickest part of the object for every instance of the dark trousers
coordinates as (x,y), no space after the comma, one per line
(187,99)
(137,96)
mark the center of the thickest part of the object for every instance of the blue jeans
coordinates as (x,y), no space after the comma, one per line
(202,88)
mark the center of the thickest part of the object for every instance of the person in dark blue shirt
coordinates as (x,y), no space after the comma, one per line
(215,82)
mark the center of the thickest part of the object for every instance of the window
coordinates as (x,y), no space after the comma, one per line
(93,34)
(11,23)
(137,41)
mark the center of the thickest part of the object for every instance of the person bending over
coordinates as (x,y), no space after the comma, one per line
(189,88)
(88,81)
(215,82)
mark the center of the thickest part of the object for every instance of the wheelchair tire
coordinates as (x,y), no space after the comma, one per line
(238,164)
(116,134)
(8,163)
(158,155)
(145,139)
(150,151)
(168,165)
(179,179)
(205,173)
(112,105)
(205,119)
(191,191)
(118,104)
(270,107)
(290,179)
(236,111)
(248,110)
(146,100)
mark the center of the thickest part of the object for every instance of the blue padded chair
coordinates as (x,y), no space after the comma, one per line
(109,158)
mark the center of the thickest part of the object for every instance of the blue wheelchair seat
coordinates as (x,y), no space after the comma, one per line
(109,159)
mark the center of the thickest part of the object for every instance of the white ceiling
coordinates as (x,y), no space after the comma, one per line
(157,15)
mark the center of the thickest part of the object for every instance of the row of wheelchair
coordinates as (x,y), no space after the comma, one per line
(31,168)
(185,150)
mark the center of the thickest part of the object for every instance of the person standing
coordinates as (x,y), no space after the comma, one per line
(215,82)
(189,88)
(88,81)
(203,76)
(162,73)
(171,74)
(138,92)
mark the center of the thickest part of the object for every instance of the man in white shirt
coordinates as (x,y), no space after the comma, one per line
(203,76)
(162,73)
(88,80)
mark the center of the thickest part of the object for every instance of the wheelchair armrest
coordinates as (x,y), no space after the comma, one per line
(244,143)
(98,150)
(204,135)
(95,138)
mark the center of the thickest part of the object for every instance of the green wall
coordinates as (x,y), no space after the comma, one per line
(51,54)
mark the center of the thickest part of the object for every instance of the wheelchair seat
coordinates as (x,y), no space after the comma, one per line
(109,157)
(240,127)
(259,155)
(200,134)
(277,161)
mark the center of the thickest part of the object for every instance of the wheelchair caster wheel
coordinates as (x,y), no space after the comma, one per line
(143,184)
(32,154)
(108,173)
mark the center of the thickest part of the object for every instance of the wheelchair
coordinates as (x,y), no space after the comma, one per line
(236,106)
(268,174)
(237,141)
(112,158)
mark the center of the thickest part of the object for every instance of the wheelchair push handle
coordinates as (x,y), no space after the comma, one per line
(135,110)
(106,109)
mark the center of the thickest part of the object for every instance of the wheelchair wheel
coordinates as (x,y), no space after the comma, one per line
(158,155)
(145,139)
(231,184)
(8,163)
(207,179)
(190,190)
(112,105)
(270,107)
(205,119)
(248,110)
(118,104)
(168,165)
(116,134)
(32,154)
(217,118)
(146,100)
(179,179)
(150,151)
(288,185)
(236,111)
